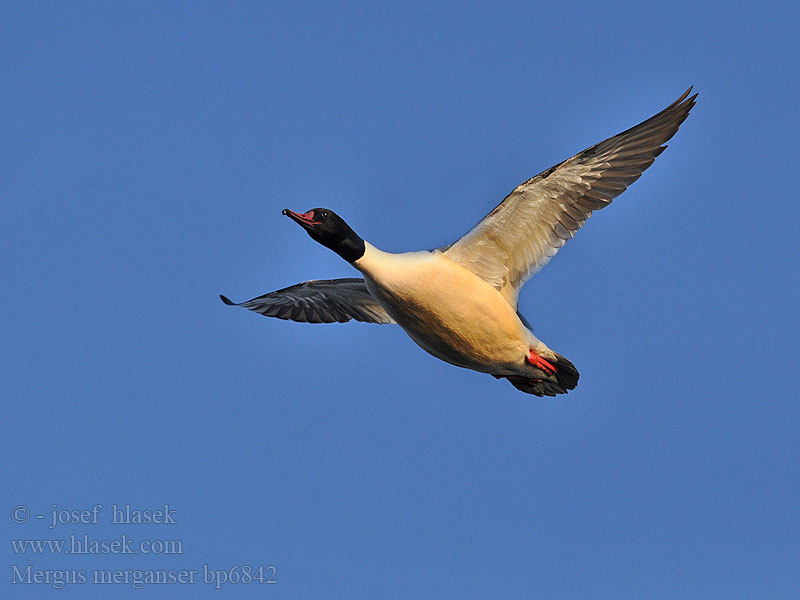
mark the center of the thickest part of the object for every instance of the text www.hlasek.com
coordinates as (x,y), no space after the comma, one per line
(37,549)
(83,544)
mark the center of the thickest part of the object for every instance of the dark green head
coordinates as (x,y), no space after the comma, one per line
(330,230)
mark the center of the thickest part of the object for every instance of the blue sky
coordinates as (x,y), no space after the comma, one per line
(146,154)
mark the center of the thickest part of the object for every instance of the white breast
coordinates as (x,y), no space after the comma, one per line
(447,310)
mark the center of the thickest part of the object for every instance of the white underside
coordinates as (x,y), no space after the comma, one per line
(449,311)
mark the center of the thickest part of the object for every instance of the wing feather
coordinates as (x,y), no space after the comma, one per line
(520,235)
(319,301)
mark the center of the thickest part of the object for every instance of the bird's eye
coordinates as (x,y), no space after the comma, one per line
(324,214)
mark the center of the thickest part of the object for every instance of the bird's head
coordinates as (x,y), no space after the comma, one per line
(330,230)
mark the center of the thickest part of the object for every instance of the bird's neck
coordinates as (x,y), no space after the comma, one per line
(372,259)
(347,244)
(351,248)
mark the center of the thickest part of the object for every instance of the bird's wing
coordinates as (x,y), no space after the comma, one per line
(328,301)
(516,239)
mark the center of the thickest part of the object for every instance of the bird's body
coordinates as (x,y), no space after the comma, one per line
(447,310)
(459,302)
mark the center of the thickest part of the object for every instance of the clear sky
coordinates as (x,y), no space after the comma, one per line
(146,153)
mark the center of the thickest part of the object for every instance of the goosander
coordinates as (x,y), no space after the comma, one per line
(459,302)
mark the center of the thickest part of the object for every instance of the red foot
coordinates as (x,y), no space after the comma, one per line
(539,362)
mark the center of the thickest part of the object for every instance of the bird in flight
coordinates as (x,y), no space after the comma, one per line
(459,302)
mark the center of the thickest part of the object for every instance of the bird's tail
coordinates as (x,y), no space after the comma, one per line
(564,379)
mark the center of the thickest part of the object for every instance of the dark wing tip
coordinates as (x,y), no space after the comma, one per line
(685,102)
(226,300)
(685,95)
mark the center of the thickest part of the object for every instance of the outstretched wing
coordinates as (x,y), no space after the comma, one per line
(326,301)
(516,239)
